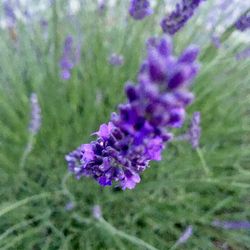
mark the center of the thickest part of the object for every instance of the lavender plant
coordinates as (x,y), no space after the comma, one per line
(137,134)
(44,207)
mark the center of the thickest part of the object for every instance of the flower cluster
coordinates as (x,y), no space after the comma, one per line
(68,59)
(243,23)
(115,59)
(140,9)
(35,121)
(137,133)
(178,18)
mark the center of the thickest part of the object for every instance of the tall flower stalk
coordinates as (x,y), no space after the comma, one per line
(176,20)
(34,126)
(138,133)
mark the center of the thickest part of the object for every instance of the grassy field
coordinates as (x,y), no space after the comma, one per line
(173,193)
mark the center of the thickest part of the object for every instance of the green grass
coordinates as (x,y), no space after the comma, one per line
(173,193)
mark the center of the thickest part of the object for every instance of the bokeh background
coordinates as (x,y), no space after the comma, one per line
(42,206)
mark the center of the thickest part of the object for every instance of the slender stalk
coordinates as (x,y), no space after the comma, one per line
(56,36)
(25,201)
(123,235)
(104,224)
(203,162)
(27,150)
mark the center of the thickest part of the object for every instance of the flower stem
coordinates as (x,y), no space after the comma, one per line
(203,162)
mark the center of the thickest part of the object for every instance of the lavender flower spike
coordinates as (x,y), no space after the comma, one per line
(185,236)
(179,17)
(69,58)
(195,130)
(115,59)
(243,23)
(137,134)
(139,9)
(232,224)
(35,121)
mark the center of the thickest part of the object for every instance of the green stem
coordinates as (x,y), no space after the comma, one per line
(25,201)
(123,235)
(203,162)
(56,36)
(104,224)
(27,150)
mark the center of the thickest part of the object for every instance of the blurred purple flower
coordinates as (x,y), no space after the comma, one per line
(185,236)
(9,13)
(138,133)
(231,224)
(69,58)
(216,41)
(178,18)
(97,212)
(115,59)
(69,206)
(243,23)
(35,121)
(44,23)
(195,130)
(244,54)
(102,5)
(140,9)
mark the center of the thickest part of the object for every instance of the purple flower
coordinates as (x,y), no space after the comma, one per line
(10,14)
(232,224)
(102,5)
(138,132)
(243,23)
(69,206)
(185,236)
(178,18)
(140,9)
(115,59)
(44,23)
(194,132)
(35,121)
(97,212)
(69,58)
(244,54)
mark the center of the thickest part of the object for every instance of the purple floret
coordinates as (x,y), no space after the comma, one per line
(178,18)
(137,134)
(139,9)
(243,23)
